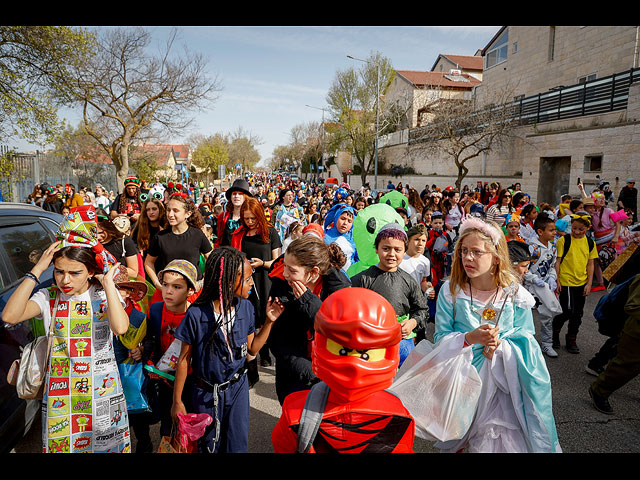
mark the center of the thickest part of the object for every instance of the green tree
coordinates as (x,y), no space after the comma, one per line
(353,103)
(211,152)
(34,61)
(242,150)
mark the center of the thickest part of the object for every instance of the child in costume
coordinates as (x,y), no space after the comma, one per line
(129,349)
(366,226)
(416,264)
(574,270)
(541,280)
(338,227)
(178,282)
(355,355)
(83,406)
(482,307)
(513,227)
(217,336)
(396,285)
(439,245)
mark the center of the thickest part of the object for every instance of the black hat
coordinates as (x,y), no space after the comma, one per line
(519,251)
(239,185)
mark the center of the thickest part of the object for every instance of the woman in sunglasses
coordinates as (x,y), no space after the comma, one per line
(499,211)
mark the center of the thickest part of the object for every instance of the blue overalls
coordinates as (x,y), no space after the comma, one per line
(220,388)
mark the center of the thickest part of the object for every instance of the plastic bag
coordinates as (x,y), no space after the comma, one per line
(440,387)
(133,337)
(549,303)
(134,386)
(191,427)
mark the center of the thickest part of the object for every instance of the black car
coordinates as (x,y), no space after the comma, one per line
(25,233)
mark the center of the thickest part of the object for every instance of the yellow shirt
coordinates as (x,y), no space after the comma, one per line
(573,269)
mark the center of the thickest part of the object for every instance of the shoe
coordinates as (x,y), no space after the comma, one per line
(548,350)
(265,361)
(601,404)
(593,370)
(571,345)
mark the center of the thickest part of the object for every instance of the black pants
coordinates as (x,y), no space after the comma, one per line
(572,302)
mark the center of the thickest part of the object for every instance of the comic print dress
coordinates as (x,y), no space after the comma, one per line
(84,408)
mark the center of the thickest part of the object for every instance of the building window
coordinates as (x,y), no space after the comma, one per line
(499,51)
(587,78)
(593,163)
(514,48)
(552,43)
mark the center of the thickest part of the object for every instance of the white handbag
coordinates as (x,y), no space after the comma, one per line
(29,372)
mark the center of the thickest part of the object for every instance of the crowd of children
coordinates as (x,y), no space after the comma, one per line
(209,286)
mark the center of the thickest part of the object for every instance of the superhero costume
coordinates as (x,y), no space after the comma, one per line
(355,353)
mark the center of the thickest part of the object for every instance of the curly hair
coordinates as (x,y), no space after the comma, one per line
(195,219)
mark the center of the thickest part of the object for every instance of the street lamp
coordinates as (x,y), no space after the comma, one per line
(375,182)
(317,173)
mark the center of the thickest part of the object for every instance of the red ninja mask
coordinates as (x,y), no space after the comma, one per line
(356,348)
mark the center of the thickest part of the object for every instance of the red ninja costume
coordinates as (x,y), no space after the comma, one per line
(356,353)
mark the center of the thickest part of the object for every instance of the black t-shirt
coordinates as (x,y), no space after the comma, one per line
(115,248)
(167,246)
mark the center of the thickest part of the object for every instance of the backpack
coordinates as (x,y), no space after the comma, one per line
(567,244)
(609,312)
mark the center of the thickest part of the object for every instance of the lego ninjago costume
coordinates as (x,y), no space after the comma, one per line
(355,354)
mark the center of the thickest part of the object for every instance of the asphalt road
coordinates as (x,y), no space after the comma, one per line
(581,428)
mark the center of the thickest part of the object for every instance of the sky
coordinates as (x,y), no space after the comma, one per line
(276,77)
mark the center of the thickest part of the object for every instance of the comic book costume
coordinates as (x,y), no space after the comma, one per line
(84,408)
(355,354)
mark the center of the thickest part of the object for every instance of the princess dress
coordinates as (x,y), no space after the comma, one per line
(515,407)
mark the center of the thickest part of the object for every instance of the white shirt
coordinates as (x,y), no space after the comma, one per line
(418,267)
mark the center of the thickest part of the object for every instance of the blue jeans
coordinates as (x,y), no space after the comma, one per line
(406,346)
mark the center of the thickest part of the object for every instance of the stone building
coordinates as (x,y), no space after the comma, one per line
(577,91)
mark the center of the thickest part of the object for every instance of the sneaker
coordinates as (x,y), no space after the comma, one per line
(593,370)
(601,404)
(571,345)
(548,350)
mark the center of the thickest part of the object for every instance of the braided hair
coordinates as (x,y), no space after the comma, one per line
(220,273)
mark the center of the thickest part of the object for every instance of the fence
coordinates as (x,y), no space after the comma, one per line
(26,170)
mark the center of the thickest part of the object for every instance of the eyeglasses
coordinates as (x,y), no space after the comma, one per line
(472,253)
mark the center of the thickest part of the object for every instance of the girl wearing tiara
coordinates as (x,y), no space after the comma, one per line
(482,305)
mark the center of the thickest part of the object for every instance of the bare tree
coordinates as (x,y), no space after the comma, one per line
(457,129)
(126,93)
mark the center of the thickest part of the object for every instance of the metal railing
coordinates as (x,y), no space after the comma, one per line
(598,96)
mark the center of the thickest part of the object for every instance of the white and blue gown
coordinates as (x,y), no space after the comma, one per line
(515,408)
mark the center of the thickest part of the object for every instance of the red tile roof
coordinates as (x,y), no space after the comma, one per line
(438,79)
(466,62)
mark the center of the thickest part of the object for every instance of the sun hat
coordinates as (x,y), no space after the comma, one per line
(184,268)
(139,288)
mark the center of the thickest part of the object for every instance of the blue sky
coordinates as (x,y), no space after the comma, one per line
(269,74)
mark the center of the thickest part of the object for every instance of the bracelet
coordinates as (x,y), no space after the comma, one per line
(32,277)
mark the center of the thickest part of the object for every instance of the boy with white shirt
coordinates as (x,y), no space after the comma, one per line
(541,280)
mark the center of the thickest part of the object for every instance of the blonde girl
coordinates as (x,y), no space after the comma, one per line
(481,306)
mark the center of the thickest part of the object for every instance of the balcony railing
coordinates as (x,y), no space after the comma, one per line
(598,96)
(603,95)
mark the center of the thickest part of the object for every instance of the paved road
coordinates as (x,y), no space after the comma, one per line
(581,429)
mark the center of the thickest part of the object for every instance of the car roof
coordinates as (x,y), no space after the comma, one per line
(25,209)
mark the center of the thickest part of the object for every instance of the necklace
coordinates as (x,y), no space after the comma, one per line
(489,312)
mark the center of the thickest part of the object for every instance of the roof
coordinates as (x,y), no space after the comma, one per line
(464,62)
(439,79)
